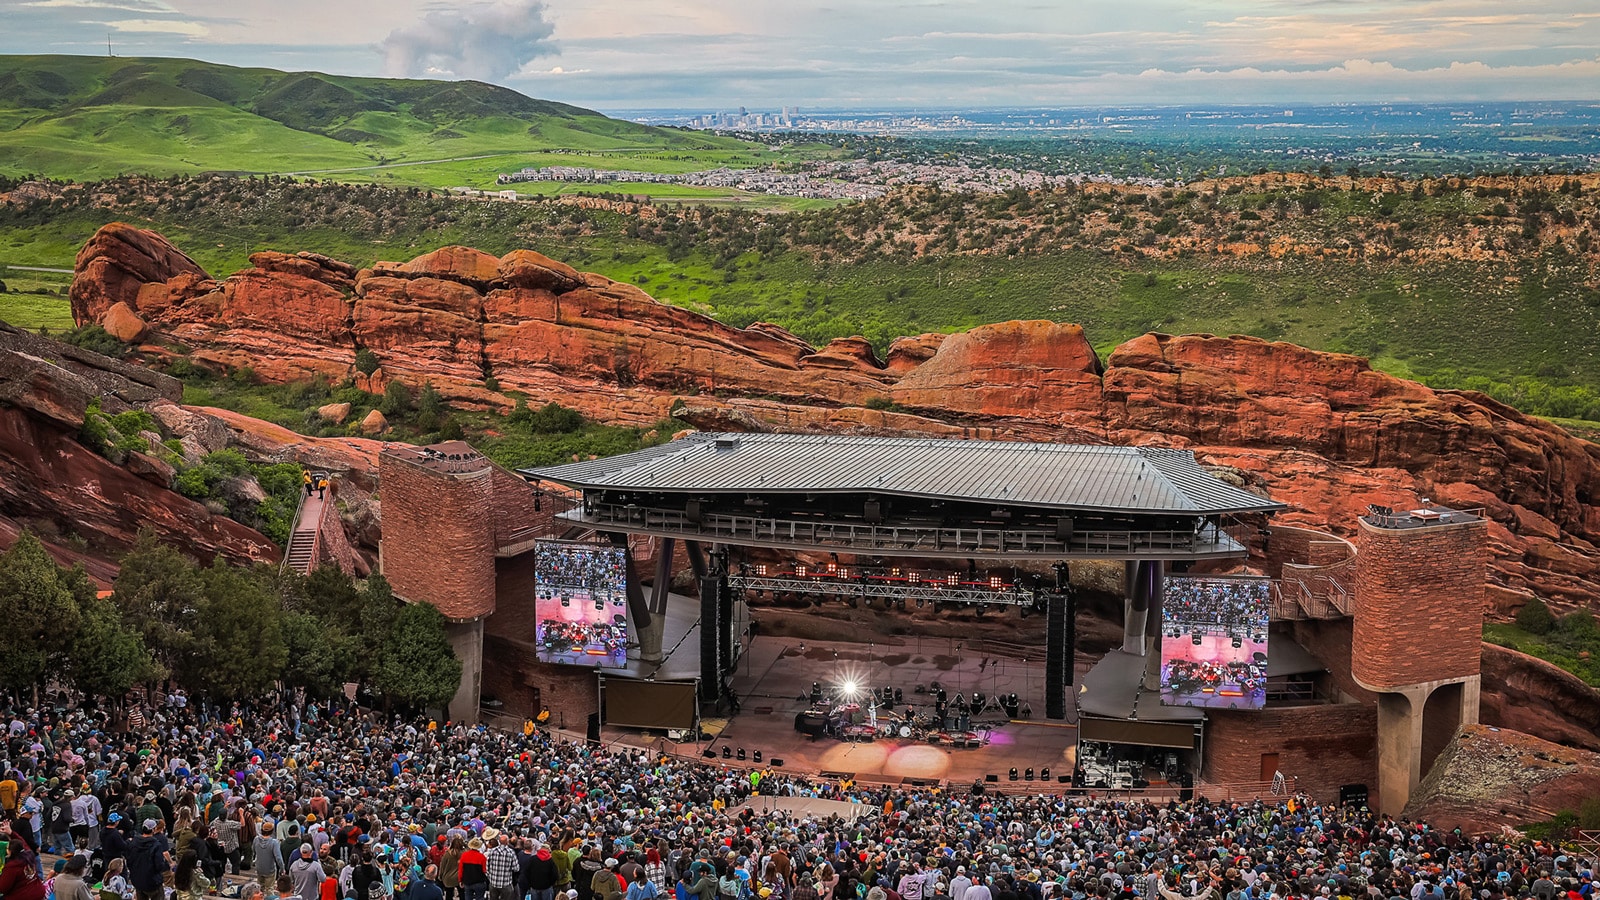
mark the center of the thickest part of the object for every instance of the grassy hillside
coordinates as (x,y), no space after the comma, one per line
(80,117)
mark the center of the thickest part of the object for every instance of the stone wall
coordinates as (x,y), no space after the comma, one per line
(438,534)
(1419,603)
(514,676)
(1322,746)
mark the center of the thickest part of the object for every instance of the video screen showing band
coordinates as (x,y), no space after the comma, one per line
(1214,641)
(581,601)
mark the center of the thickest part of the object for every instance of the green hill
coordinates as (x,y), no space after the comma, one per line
(84,117)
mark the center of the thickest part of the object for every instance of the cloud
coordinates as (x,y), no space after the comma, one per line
(485,42)
(160,26)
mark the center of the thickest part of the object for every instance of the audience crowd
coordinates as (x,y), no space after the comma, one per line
(332,802)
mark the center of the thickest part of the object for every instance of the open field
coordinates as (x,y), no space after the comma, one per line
(86,118)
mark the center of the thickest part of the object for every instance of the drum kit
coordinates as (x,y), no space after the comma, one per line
(942,720)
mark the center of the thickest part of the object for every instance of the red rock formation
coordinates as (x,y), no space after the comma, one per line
(51,482)
(1321,431)
(116,263)
(1487,778)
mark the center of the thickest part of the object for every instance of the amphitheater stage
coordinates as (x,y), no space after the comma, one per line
(775,674)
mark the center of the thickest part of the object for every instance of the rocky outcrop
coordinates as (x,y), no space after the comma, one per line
(52,483)
(1322,432)
(1487,778)
(117,262)
(1531,695)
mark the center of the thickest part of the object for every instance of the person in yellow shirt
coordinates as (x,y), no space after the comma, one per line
(8,796)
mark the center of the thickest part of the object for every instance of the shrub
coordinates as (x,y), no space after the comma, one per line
(552,418)
(396,400)
(96,339)
(1579,625)
(366,361)
(1534,617)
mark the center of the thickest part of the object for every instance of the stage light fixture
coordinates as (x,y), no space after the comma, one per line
(741,754)
(1044,774)
(1013,773)
(727,752)
(757,756)
(850,690)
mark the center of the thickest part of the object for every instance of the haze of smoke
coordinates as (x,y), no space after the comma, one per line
(485,42)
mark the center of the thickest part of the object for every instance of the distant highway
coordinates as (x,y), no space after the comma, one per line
(36,269)
(429,162)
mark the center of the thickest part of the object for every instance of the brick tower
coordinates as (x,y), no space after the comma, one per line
(1418,632)
(438,545)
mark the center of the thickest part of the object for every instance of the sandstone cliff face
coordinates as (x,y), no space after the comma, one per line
(1320,431)
(54,484)
(1487,778)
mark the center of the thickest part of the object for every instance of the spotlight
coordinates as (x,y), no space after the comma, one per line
(757,756)
(1013,773)
(1044,774)
(741,754)
(850,690)
(727,752)
(1029,774)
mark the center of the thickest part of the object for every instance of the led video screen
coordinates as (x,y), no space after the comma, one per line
(1214,641)
(581,601)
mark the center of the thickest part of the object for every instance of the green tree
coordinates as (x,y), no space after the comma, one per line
(431,408)
(237,641)
(416,666)
(159,592)
(108,657)
(40,612)
(313,654)
(366,361)
(1534,617)
(396,400)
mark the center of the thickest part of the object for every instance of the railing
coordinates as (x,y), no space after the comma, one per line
(294,522)
(935,590)
(1312,592)
(1207,541)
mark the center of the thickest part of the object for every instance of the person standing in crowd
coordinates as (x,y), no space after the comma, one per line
(472,870)
(540,875)
(306,875)
(500,865)
(70,884)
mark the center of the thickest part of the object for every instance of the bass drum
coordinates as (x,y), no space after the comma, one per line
(905,731)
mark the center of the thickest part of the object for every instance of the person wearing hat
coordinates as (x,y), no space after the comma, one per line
(473,870)
(605,884)
(306,873)
(149,859)
(71,883)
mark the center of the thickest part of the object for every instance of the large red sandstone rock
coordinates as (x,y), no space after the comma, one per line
(123,323)
(1039,369)
(1320,431)
(116,262)
(1487,778)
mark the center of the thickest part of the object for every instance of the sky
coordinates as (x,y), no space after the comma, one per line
(718,54)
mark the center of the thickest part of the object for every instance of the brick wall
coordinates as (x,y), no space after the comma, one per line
(1330,641)
(1419,603)
(438,535)
(513,508)
(513,675)
(334,545)
(514,600)
(1323,746)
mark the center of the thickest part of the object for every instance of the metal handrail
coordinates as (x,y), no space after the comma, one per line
(283,564)
(911,538)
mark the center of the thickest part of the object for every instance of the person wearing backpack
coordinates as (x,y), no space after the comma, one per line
(149,860)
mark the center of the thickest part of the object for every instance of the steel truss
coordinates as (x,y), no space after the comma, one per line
(869,590)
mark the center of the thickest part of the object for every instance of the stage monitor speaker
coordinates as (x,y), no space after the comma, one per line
(709,753)
(991,778)
(1063,779)
(593,734)
(777,761)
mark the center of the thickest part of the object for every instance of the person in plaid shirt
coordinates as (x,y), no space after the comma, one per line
(501,867)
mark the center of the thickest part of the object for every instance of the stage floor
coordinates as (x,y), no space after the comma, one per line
(776,673)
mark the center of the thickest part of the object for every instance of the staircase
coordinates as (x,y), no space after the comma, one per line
(304,540)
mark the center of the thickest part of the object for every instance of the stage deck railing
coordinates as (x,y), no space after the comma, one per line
(912,540)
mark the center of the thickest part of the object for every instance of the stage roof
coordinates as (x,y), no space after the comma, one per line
(1147,480)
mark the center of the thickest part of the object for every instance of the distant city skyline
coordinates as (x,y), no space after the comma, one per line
(721,54)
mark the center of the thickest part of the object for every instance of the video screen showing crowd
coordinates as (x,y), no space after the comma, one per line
(581,601)
(1214,641)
